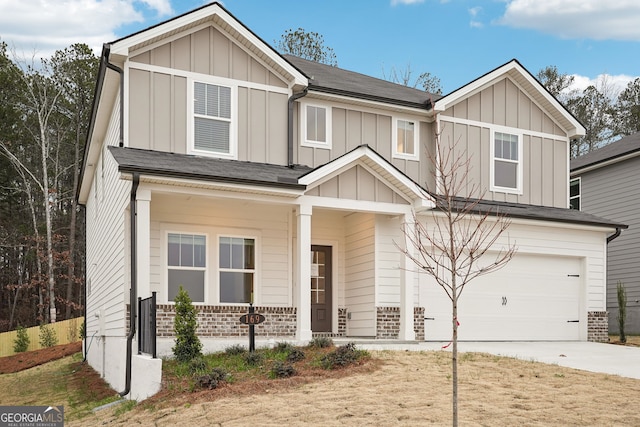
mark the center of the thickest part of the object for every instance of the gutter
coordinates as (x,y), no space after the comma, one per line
(292,98)
(133,213)
(107,51)
(614,235)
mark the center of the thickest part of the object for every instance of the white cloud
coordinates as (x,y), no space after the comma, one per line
(474,23)
(589,19)
(615,84)
(43,26)
(397,2)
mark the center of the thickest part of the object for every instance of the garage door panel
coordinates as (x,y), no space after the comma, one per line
(532,298)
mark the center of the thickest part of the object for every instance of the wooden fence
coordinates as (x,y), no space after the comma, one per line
(66,331)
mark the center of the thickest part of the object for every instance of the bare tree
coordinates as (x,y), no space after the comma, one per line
(308,45)
(453,245)
(404,76)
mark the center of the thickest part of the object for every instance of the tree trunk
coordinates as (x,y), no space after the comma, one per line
(51,291)
(71,270)
(454,355)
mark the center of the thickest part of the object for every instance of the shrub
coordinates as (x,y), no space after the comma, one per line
(342,356)
(283,347)
(253,358)
(622,311)
(21,343)
(282,370)
(321,342)
(212,379)
(197,364)
(295,355)
(47,336)
(235,350)
(188,344)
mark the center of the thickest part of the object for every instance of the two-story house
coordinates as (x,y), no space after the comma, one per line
(216,164)
(607,182)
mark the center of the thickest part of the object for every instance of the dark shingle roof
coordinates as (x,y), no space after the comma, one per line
(328,79)
(160,163)
(622,147)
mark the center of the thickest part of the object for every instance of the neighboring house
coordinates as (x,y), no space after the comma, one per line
(607,182)
(216,164)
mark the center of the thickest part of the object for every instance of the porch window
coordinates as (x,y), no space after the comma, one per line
(237,269)
(574,193)
(187,261)
(506,162)
(316,126)
(212,118)
(405,134)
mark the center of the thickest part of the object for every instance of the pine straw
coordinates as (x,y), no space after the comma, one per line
(407,388)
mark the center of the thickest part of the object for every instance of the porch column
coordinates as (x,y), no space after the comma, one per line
(303,329)
(143,242)
(407,332)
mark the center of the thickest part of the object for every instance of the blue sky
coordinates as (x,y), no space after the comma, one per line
(456,40)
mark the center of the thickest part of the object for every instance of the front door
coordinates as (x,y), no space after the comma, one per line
(320,288)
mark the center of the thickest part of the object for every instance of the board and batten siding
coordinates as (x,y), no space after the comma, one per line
(268,224)
(107,230)
(613,192)
(352,127)
(159,90)
(503,107)
(360,274)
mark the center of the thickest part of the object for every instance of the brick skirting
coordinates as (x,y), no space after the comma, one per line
(388,322)
(598,326)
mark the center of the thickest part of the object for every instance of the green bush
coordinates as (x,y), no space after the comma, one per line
(188,344)
(47,336)
(295,355)
(622,311)
(235,350)
(213,379)
(321,342)
(282,370)
(21,343)
(283,347)
(342,356)
(253,358)
(198,364)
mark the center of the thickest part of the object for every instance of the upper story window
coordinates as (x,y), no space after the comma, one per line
(187,265)
(213,119)
(507,163)
(316,125)
(574,193)
(405,135)
(237,267)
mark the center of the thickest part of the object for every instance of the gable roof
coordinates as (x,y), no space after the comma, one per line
(337,81)
(617,151)
(529,83)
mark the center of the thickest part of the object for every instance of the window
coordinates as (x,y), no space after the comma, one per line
(316,126)
(212,118)
(237,269)
(574,193)
(506,161)
(187,261)
(405,139)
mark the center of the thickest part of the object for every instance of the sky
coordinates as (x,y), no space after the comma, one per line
(455,40)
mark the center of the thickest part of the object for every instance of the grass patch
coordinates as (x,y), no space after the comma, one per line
(66,381)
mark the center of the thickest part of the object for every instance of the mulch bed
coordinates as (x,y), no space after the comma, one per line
(21,361)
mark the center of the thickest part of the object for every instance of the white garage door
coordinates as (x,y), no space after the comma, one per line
(532,298)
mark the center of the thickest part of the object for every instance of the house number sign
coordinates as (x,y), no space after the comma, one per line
(252,319)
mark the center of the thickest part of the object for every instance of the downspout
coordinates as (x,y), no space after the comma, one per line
(292,98)
(133,213)
(107,51)
(614,235)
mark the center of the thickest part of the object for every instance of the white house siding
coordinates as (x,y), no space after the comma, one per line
(388,261)
(107,263)
(328,228)
(539,241)
(360,274)
(268,224)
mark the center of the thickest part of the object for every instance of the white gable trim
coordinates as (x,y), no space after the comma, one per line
(523,79)
(378,167)
(239,31)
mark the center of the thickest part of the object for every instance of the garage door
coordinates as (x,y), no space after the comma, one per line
(532,298)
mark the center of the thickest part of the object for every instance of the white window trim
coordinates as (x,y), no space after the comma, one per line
(257,300)
(579,196)
(416,139)
(166,266)
(303,125)
(492,186)
(233,128)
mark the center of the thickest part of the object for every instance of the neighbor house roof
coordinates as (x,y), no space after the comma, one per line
(617,151)
(337,81)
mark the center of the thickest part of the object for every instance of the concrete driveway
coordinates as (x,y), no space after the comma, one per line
(588,356)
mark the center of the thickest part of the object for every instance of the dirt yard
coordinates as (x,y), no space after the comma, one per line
(21,361)
(406,388)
